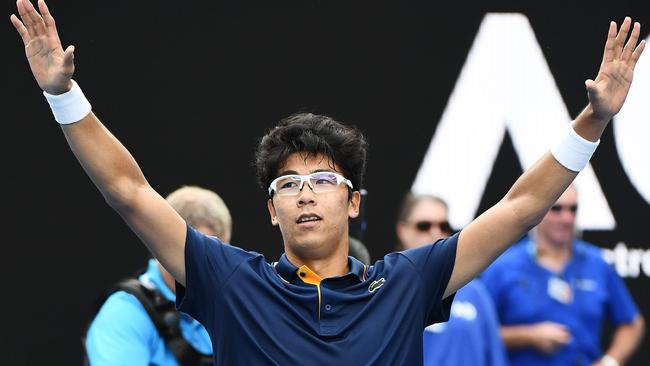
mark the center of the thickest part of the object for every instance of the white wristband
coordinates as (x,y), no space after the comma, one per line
(608,360)
(573,151)
(69,107)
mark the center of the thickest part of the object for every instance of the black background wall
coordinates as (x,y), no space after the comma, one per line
(189,87)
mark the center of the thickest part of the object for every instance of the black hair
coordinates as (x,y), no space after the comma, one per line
(312,134)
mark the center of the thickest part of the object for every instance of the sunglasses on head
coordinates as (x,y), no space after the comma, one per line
(427,225)
(559,208)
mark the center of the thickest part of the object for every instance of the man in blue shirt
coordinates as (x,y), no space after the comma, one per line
(554,292)
(316,303)
(122,332)
(471,336)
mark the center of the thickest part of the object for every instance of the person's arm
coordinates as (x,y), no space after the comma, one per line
(523,207)
(625,339)
(106,161)
(546,337)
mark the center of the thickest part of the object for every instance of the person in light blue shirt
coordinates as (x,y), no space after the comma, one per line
(471,336)
(553,294)
(122,333)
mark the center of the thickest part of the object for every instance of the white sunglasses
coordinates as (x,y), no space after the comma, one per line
(319,182)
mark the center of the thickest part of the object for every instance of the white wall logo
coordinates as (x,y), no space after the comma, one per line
(628,262)
(505,85)
(632,128)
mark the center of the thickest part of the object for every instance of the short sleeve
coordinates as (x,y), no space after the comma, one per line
(435,263)
(208,265)
(121,334)
(620,305)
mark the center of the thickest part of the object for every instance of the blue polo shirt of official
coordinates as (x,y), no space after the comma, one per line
(581,297)
(279,314)
(471,336)
(122,332)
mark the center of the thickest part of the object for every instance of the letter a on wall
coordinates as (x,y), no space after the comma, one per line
(505,84)
(632,129)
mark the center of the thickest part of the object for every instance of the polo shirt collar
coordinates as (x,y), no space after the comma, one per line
(357,268)
(289,272)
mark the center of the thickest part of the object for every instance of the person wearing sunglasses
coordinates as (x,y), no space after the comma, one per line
(471,336)
(422,219)
(315,303)
(554,293)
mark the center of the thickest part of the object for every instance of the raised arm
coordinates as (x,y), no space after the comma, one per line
(106,161)
(523,207)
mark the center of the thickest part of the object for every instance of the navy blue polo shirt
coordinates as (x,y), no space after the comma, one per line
(260,313)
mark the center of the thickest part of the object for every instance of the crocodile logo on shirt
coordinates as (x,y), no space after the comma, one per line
(375,285)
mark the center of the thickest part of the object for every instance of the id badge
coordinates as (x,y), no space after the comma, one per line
(560,290)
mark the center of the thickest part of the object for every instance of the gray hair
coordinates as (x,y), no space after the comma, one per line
(202,207)
(359,251)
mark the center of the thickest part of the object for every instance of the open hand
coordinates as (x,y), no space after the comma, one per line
(608,91)
(51,65)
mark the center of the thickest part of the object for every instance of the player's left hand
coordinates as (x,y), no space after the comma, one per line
(608,91)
